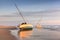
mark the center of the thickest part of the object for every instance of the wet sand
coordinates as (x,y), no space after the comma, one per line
(35,34)
(45,34)
(7,27)
(42,34)
(6,35)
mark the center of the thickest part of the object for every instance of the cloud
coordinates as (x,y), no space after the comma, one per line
(46,13)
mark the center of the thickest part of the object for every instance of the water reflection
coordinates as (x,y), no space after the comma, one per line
(25,34)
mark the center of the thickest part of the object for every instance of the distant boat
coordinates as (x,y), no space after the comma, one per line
(38,26)
(25,26)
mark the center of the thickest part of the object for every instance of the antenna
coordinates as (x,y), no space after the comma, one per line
(19,11)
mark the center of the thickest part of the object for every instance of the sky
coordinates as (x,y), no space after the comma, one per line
(47,10)
(29,5)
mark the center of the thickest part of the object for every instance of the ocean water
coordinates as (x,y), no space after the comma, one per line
(47,32)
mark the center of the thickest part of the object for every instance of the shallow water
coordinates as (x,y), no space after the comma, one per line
(35,34)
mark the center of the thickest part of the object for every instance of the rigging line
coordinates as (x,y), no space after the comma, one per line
(38,21)
(19,11)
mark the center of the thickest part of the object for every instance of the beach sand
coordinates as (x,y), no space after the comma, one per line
(7,27)
(6,35)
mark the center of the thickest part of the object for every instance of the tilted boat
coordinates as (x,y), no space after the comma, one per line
(25,26)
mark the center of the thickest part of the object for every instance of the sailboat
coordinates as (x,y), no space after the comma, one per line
(24,25)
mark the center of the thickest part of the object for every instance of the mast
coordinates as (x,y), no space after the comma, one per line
(19,11)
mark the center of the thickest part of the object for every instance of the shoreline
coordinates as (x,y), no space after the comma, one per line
(7,27)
